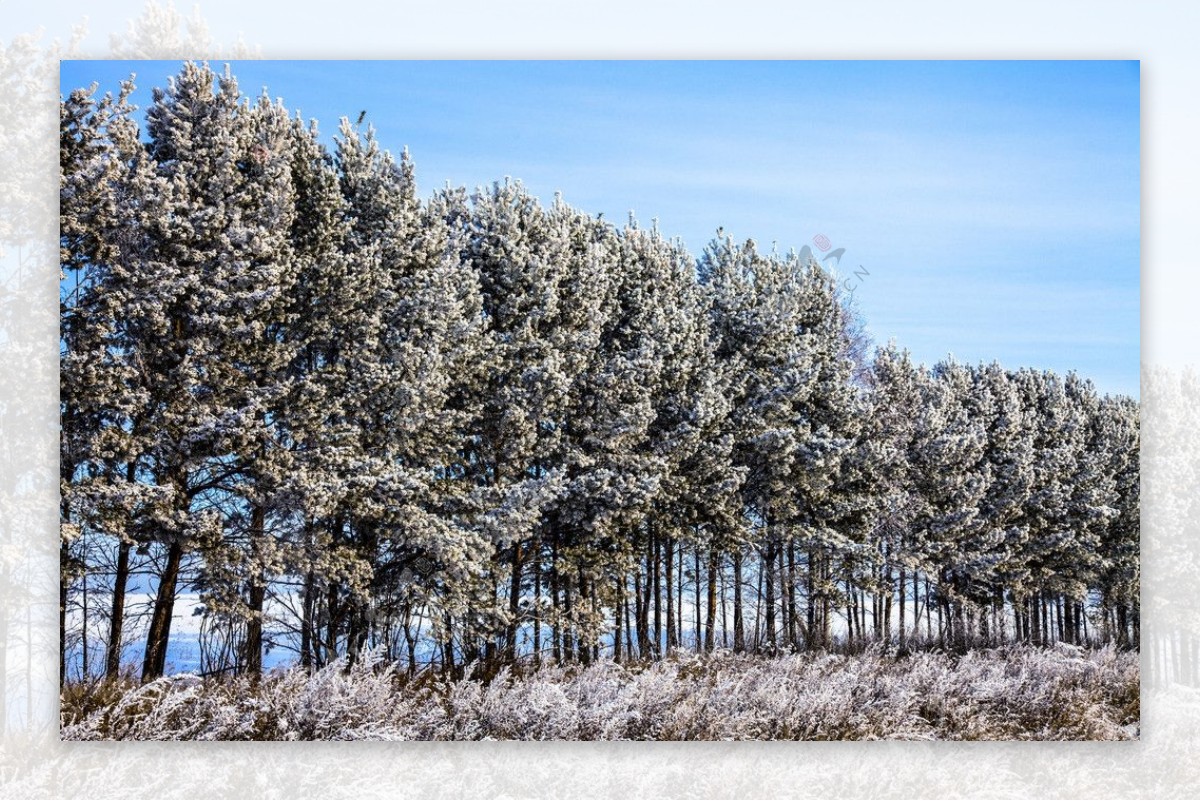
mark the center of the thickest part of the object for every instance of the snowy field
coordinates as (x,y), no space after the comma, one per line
(1017,693)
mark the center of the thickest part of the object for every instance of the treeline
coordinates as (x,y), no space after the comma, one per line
(473,428)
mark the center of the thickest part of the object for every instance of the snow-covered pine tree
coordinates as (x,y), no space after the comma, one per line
(632,423)
(952,476)
(521,256)
(1091,506)
(1055,455)
(832,494)
(160,332)
(260,274)
(696,502)
(476,421)
(419,312)
(759,318)
(889,430)
(1010,457)
(222,263)
(100,157)
(1119,578)
(600,434)
(325,313)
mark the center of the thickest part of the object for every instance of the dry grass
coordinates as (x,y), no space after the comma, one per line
(997,694)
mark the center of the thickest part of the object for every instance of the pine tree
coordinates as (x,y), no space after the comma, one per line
(100,160)
(407,360)
(519,254)
(1091,504)
(1056,449)
(833,493)
(203,317)
(889,439)
(1119,580)
(952,477)
(780,331)
(1010,433)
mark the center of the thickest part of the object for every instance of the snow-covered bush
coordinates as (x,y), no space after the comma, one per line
(1003,693)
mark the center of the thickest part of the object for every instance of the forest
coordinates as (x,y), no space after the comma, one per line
(467,433)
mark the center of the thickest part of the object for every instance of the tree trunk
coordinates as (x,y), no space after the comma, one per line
(710,636)
(116,627)
(257,594)
(941,622)
(410,639)
(757,644)
(917,605)
(739,622)
(876,609)
(628,632)
(768,562)
(826,603)
(537,603)
(723,602)
(254,627)
(514,606)
(668,546)
(810,589)
(159,634)
(306,622)
(792,634)
(568,645)
(555,640)
(698,633)
(656,589)
(641,599)
(85,665)
(64,586)
(333,615)
(929,612)
(679,582)
(448,645)
(862,615)
(960,626)
(887,606)
(617,607)
(584,637)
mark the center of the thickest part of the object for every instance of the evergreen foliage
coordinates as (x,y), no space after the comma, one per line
(473,429)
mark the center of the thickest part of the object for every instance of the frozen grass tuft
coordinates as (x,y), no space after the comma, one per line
(1015,693)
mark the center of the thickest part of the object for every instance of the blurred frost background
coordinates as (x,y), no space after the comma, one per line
(34,763)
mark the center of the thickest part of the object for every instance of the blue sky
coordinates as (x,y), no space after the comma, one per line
(990,209)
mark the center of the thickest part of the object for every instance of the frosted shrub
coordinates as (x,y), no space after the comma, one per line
(533,709)
(335,699)
(1005,693)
